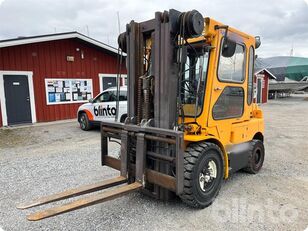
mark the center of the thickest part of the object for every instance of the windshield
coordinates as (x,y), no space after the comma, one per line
(194,80)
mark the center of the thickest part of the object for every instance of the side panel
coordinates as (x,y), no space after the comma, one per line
(245,131)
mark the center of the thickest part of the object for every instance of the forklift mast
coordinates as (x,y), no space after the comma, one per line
(153,65)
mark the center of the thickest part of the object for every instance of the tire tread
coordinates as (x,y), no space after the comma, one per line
(191,156)
(249,168)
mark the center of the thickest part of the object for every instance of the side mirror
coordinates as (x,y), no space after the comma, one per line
(228,48)
(258,41)
(91,100)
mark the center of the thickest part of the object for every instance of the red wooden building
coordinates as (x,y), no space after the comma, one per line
(261,83)
(46,78)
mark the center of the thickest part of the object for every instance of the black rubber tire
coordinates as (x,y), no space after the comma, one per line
(255,157)
(123,117)
(84,122)
(195,158)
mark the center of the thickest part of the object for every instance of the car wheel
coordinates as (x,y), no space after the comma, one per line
(84,122)
(123,117)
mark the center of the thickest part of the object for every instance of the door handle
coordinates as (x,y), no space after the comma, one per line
(28,98)
(217,89)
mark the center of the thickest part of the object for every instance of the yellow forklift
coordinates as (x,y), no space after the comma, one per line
(191,119)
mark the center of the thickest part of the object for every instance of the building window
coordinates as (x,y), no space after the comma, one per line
(250,76)
(230,104)
(110,80)
(232,69)
(64,91)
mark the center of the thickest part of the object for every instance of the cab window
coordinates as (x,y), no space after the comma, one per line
(250,76)
(232,69)
(193,80)
(230,104)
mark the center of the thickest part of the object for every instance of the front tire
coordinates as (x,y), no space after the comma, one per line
(203,174)
(84,122)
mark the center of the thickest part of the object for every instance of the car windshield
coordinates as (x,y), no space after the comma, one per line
(194,80)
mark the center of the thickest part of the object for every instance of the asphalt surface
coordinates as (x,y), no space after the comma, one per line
(41,160)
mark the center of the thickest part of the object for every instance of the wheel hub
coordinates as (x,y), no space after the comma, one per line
(82,122)
(207,175)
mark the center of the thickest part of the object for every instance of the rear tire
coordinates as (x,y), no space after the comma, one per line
(203,174)
(256,157)
(84,122)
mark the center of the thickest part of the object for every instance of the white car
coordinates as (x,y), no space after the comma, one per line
(103,108)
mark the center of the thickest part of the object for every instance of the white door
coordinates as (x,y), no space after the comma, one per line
(259,90)
(104,107)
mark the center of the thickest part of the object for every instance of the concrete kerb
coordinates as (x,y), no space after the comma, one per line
(42,124)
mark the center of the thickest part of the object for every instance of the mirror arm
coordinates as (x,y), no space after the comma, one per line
(226,28)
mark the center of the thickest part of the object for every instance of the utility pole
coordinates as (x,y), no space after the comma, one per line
(292,50)
(119,27)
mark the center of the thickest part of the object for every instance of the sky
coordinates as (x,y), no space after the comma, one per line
(282,24)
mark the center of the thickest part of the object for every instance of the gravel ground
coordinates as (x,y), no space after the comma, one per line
(41,160)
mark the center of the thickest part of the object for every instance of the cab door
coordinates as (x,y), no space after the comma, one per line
(227,105)
(104,106)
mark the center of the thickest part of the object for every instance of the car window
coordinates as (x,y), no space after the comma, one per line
(110,96)
(107,96)
(123,96)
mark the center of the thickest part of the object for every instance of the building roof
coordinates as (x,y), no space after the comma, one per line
(57,36)
(265,69)
(294,68)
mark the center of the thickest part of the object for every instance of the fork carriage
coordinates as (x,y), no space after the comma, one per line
(150,156)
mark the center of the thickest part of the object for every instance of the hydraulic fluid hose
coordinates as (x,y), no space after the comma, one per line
(180,109)
(119,68)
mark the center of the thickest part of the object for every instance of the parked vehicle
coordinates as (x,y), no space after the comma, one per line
(103,108)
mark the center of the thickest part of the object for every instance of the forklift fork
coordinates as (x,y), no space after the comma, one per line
(83,202)
(135,173)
